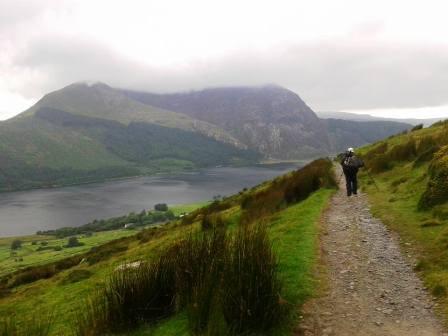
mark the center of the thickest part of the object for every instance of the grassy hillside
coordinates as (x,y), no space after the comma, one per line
(85,133)
(50,246)
(101,101)
(411,197)
(277,220)
(54,147)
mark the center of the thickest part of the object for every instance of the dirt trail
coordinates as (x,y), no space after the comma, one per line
(372,289)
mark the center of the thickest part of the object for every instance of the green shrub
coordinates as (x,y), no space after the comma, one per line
(146,235)
(437,187)
(399,181)
(106,251)
(35,273)
(161,207)
(440,212)
(73,242)
(430,223)
(417,127)
(403,152)
(16,244)
(289,189)
(213,220)
(76,276)
(439,291)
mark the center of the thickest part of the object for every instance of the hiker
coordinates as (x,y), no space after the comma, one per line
(350,166)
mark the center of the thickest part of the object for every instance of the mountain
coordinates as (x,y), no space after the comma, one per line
(85,133)
(272,120)
(101,101)
(348,133)
(368,117)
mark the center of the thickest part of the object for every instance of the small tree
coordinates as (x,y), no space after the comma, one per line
(16,244)
(161,207)
(73,242)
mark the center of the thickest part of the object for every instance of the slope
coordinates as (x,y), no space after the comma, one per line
(291,206)
(408,191)
(371,289)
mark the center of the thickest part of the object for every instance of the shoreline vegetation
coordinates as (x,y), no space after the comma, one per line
(48,246)
(277,219)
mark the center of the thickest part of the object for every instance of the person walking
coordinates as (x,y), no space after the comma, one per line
(350,165)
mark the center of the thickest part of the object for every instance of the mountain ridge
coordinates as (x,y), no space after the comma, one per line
(368,117)
(270,119)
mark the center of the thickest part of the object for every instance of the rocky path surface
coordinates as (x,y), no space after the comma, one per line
(372,289)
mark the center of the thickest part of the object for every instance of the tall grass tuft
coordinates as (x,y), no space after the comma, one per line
(131,296)
(437,187)
(251,286)
(38,325)
(8,327)
(199,274)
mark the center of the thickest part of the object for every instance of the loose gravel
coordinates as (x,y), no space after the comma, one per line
(372,288)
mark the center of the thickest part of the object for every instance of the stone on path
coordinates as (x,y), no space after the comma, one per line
(372,288)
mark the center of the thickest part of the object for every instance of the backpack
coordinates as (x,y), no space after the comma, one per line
(353,162)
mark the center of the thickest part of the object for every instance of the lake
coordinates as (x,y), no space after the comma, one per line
(26,212)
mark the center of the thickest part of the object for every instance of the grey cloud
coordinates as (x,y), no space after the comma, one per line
(329,75)
(14,12)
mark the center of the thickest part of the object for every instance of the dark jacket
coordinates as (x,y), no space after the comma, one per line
(351,163)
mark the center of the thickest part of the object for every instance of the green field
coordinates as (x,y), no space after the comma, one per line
(28,254)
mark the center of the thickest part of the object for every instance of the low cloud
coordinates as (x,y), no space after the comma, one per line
(329,75)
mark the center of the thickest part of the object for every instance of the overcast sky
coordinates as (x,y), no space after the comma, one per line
(383,57)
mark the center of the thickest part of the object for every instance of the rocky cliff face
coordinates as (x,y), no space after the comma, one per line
(271,119)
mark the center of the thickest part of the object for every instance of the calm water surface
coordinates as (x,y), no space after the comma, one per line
(26,212)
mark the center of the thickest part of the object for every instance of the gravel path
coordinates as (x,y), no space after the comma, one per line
(372,289)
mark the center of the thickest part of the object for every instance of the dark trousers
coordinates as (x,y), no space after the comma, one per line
(351,183)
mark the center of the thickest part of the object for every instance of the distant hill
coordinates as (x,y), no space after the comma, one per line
(271,119)
(368,117)
(88,133)
(348,133)
(102,101)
